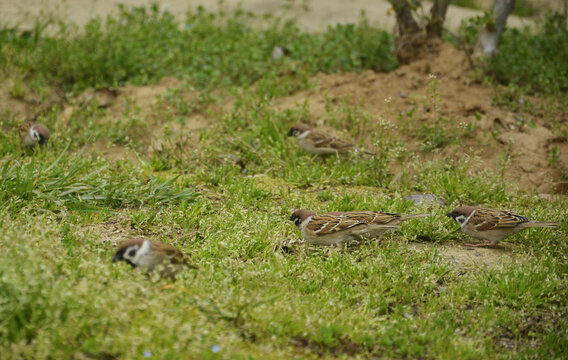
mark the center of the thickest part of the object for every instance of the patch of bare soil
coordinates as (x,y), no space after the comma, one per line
(151,108)
(120,228)
(150,105)
(112,152)
(19,101)
(465,258)
(111,231)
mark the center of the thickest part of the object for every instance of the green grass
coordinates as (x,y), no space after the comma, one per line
(210,49)
(528,60)
(526,8)
(258,293)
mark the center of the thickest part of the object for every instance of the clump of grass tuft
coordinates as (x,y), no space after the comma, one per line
(536,61)
(533,61)
(440,130)
(79,183)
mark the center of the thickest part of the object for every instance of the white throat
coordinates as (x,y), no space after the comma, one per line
(34,134)
(304,223)
(142,252)
(464,223)
(305,134)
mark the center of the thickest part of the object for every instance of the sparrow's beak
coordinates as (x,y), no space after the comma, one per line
(116,257)
(291,218)
(43,141)
(291,132)
(451,214)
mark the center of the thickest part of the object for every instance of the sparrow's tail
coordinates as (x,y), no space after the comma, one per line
(413,216)
(550,224)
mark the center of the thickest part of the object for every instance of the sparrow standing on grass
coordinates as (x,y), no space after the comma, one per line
(152,255)
(32,133)
(492,225)
(341,227)
(318,143)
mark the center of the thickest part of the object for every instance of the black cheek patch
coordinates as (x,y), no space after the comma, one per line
(118,256)
(130,262)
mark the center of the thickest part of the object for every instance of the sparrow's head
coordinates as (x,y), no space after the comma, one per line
(299,216)
(129,251)
(40,133)
(37,132)
(461,214)
(298,130)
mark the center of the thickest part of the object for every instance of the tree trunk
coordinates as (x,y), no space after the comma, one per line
(437,18)
(491,33)
(404,19)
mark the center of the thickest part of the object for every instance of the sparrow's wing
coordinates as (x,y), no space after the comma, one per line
(329,224)
(372,217)
(489,219)
(323,141)
(24,129)
(175,255)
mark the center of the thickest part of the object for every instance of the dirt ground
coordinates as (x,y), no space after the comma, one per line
(322,14)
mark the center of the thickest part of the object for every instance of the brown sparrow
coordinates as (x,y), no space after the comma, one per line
(152,255)
(318,143)
(492,225)
(341,227)
(32,133)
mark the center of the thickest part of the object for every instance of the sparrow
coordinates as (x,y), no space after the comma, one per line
(318,143)
(152,255)
(492,225)
(32,133)
(341,227)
